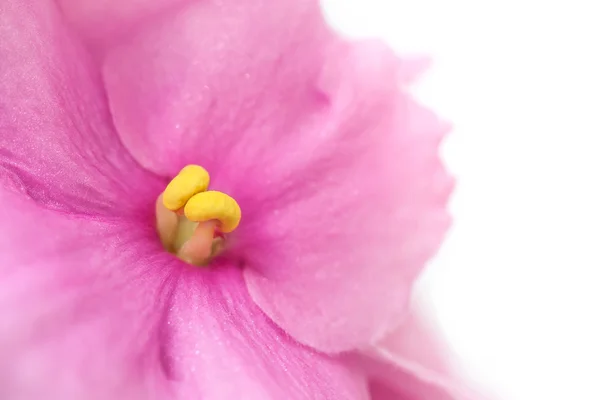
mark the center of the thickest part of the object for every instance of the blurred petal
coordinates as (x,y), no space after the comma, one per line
(57,142)
(101,22)
(334,167)
(411,363)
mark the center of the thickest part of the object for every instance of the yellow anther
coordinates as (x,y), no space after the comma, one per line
(191,180)
(211,205)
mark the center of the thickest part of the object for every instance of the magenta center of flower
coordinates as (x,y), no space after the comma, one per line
(191,220)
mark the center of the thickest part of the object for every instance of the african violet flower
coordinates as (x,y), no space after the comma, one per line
(333,167)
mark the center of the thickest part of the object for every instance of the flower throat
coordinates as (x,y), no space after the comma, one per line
(191,220)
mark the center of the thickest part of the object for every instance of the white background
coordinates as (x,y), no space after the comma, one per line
(516,287)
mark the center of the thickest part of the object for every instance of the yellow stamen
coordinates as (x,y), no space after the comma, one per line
(211,205)
(187,216)
(191,180)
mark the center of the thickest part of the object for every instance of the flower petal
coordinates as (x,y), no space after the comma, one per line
(334,167)
(101,22)
(217,83)
(57,142)
(333,259)
(411,363)
(100,312)
(80,304)
(220,346)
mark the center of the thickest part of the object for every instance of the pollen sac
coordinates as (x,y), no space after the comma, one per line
(191,180)
(213,205)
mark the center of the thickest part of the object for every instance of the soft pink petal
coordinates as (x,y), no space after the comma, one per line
(82,305)
(335,168)
(412,363)
(224,347)
(218,83)
(57,142)
(101,312)
(102,22)
(334,262)
(412,67)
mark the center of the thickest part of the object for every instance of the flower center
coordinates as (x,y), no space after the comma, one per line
(191,220)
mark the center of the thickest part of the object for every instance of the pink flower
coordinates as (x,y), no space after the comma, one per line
(335,169)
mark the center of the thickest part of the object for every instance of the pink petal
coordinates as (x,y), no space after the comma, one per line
(82,304)
(335,265)
(412,67)
(221,346)
(335,168)
(411,363)
(218,83)
(101,312)
(101,22)
(57,142)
